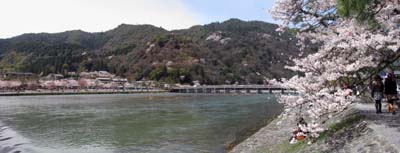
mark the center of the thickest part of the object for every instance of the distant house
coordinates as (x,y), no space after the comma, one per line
(120,80)
(105,74)
(166,85)
(105,80)
(96,74)
(52,76)
(196,83)
(72,74)
(144,83)
(85,75)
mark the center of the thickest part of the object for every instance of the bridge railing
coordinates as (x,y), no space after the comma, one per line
(232,89)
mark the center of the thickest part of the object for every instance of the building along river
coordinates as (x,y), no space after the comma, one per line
(129,123)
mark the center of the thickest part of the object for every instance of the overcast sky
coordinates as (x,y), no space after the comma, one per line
(34,16)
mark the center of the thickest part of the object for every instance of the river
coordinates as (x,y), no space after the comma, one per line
(159,123)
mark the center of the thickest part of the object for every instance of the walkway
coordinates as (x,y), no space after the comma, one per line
(385,125)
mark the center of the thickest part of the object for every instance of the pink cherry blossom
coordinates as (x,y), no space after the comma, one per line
(347,48)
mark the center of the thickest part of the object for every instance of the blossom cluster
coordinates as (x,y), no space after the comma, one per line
(347,48)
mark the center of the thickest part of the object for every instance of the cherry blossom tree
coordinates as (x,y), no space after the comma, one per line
(50,85)
(356,39)
(107,86)
(3,84)
(72,84)
(14,84)
(61,84)
(32,85)
(83,83)
(92,83)
(10,84)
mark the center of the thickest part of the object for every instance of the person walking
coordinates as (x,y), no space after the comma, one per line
(377,93)
(390,91)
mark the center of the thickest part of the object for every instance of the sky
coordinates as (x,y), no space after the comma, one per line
(51,16)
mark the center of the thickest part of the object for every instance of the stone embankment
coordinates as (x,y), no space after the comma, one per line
(10,141)
(358,129)
(81,92)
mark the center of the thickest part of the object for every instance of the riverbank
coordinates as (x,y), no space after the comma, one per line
(357,129)
(81,92)
(10,141)
(246,133)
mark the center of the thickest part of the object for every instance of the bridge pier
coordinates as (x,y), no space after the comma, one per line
(238,90)
(191,90)
(183,90)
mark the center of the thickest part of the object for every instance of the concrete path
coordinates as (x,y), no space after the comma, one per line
(386,126)
(374,133)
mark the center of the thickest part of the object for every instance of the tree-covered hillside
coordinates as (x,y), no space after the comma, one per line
(217,53)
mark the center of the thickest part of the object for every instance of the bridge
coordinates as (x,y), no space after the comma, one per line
(231,89)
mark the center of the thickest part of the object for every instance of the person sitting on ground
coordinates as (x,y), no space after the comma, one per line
(377,93)
(345,86)
(390,91)
(300,132)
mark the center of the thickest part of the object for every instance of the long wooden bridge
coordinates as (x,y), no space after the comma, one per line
(231,89)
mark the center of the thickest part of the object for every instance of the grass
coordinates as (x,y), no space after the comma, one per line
(333,129)
(286,147)
(296,147)
(339,126)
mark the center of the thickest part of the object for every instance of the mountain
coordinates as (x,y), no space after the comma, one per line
(217,53)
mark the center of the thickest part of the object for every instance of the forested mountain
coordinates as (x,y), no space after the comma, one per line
(217,53)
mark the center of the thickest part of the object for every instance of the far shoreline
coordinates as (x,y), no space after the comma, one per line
(50,93)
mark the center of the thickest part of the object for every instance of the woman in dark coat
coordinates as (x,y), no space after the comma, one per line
(377,93)
(390,91)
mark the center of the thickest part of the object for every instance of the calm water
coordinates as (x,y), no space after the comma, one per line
(131,123)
